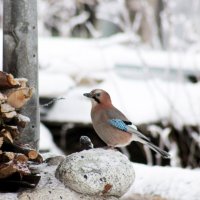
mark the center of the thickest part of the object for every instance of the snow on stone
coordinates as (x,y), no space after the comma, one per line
(168,182)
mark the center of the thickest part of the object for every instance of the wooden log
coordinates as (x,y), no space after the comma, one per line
(1,141)
(21,120)
(6,135)
(22,81)
(9,115)
(7,112)
(38,159)
(19,97)
(3,98)
(6,157)
(31,179)
(5,108)
(32,154)
(21,166)
(7,170)
(7,81)
(13,130)
(16,181)
(19,157)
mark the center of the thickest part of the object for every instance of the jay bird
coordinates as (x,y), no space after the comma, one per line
(112,126)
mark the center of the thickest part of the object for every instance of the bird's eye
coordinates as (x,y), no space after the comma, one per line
(98,95)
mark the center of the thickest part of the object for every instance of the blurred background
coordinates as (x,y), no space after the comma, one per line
(145,53)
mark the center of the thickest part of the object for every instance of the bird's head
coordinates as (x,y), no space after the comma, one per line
(99,96)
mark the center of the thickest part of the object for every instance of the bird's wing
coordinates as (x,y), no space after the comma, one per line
(114,113)
(134,130)
(123,126)
(119,124)
(118,120)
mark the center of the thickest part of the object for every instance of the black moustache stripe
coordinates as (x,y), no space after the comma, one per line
(97,100)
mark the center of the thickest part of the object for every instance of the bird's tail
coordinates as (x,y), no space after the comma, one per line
(163,153)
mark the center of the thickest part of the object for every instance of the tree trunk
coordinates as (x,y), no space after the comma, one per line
(20,57)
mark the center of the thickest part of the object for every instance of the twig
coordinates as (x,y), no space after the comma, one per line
(52,101)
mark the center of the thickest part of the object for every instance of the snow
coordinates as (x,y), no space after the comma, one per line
(73,109)
(168,182)
(96,63)
(70,67)
(142,101)
(76,55)
(58,83)
(46,141)
(70,56)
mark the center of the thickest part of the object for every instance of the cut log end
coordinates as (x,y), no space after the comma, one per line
(21,120)
(19,157)
(6,170)
(7,81)
(1,141)
(22,82)
(32,154)
(18,97)
(38,159)
(6,135)
(6,157)
(13,130)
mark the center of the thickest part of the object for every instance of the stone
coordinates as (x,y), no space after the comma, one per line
(97,172)
(50,187)
(55,160)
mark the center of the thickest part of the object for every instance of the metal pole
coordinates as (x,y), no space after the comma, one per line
(20,57)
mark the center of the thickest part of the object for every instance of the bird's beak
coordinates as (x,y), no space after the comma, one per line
(87,95)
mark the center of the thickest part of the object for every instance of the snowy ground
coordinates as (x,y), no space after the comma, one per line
(167,182)
(46,141)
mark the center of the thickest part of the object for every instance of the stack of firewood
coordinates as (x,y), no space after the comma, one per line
(15,158)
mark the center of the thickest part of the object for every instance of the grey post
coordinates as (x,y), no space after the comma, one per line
(20,57)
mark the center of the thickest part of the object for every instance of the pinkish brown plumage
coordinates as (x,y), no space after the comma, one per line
(112,126)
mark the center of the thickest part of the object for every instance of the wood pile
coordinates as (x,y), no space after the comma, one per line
(15,159)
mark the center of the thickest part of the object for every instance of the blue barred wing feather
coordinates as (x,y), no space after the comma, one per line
(118,123)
